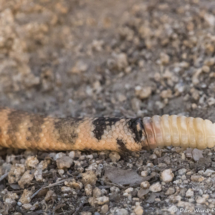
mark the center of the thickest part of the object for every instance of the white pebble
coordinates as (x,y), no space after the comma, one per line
(72,154)
(144,173)
(145,184)
(189,193)
(65,189)
(129,190)
(167,175)
(155,187)
(120,211)
(102,200)
(208,172)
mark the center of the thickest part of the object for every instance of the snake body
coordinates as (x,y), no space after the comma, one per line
(23,130)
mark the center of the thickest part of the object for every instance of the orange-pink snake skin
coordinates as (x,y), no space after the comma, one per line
(19,129)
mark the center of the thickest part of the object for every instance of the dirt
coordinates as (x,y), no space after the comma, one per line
(109,58)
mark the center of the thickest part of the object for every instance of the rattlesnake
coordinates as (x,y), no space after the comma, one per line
(23,130)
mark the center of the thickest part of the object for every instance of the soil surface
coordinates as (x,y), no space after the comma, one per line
(108,58)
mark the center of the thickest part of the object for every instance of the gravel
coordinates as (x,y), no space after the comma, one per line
(108,58)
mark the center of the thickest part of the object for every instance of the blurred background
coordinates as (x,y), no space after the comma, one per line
(110,58)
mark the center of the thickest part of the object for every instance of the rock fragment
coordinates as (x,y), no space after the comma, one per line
(64,162)
(89,178)
(79,67)
(145,185)
(74,184)
(104,209)
(26,196)
(155,187)
(202,199)
(197,178)
(96,192)
(182,171)
(189,193)
(197,154)
(138,210)
(143,92)
(122,177)
(27,206)
(114,156)
(85,213)
(26,178)
(10,198)
(102,200)
(142,192)
(164,58)
(15,173)
(167,175)
(166,94)
(121,211)
(65,189)
(121,61)
(88,190)
(144,173)
(31,162)
(170,191)
(50,195)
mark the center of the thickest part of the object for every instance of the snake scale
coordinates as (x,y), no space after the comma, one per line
(23,130)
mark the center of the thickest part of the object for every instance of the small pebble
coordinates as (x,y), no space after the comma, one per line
(89,178)
(60,171)
(49,195)
(85,213)
(31,162)
(189,193)
(138,210)
(206,69)
(164,58)
(167,175)
(102,200)
(26,178)
(26,196)
(145,184)
(114,156)
(197,178)
(15,173)
(170,191)
(121,61)
(144,173)
(88,189)
(97,192)
(166,94)
(208,172)
(129,190)
(27,206)
(65,189)
(143,92)
(121,212)
(64,162)
(182,171)
(155,187)
(79,67)
(58,155)
(104,209)
(202,199)
(72,154)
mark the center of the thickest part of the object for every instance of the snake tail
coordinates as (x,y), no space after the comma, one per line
(23,130)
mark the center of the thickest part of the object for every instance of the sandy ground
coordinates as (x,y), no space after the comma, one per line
(108,58)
